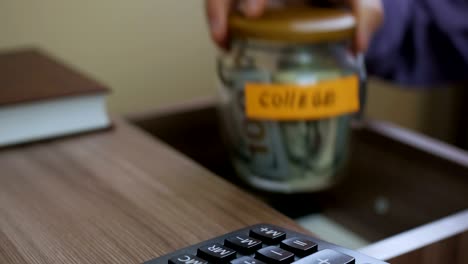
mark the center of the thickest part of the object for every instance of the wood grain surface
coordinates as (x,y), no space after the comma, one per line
(113,197)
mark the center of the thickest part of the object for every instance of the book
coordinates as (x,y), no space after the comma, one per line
(43,98)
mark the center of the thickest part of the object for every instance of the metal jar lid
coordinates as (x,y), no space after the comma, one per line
(295,24)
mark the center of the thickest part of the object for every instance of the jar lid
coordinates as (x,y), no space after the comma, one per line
(295,24)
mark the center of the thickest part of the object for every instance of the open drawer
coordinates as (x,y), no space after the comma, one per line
(404,195)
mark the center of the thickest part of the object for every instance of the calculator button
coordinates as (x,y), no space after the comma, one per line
(187,259)
(243,244)
(246,260)
(274,255)
(268,234)
(299,246)
(216,253)
(326,256)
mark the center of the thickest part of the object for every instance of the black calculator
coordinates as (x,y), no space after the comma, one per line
(264,244)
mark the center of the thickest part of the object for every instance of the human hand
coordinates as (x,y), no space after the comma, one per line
(368,12)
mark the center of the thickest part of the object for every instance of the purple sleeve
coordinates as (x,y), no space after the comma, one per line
(422,42)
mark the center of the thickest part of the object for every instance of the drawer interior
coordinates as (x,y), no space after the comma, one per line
(388,186)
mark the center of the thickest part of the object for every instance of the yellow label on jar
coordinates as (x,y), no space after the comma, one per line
(295,102)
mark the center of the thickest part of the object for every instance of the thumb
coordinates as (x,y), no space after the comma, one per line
(217,13)
(369,14)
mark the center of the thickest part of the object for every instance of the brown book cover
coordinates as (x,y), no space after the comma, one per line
(31,75)
(43,98)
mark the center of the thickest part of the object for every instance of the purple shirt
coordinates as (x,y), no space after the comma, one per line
(422,42)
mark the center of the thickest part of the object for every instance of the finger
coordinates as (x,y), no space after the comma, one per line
(359,39)
(252,8)
(369,14)
(217,12)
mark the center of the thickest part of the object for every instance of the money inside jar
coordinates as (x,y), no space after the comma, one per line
(289,133)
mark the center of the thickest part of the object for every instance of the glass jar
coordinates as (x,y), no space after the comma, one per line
(295,149)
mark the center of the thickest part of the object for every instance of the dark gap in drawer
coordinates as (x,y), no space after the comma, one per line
(410,187)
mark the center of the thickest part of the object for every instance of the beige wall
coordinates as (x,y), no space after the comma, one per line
(150,52)
(154,52)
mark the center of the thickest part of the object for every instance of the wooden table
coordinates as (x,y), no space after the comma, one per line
(118,196)
(124,196)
